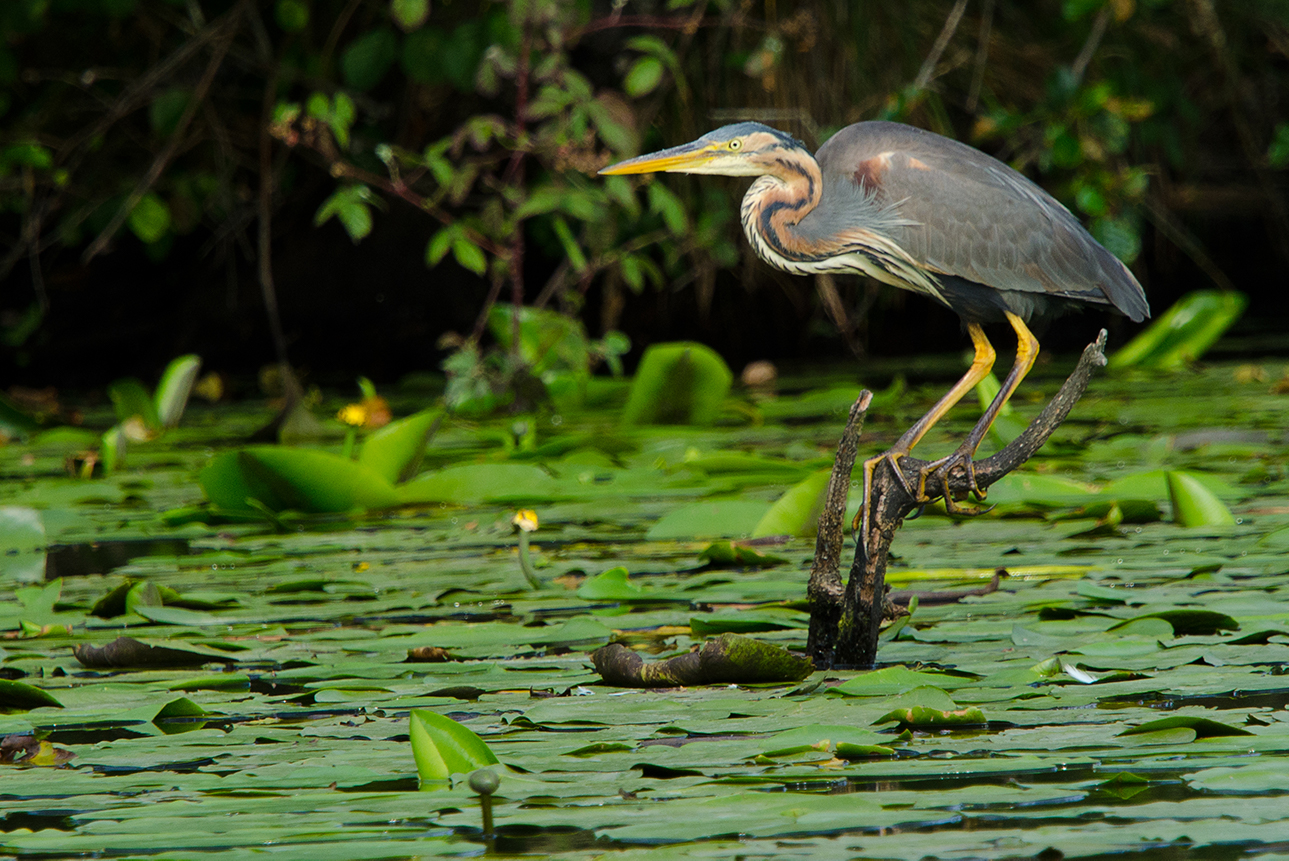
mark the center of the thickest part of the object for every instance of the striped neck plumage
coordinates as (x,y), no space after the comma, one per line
(789,190)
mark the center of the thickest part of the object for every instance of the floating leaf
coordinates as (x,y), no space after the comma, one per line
(933,717)
(22,544)
(895,680)
(481,482)
(1186,621)
(611,585)
(26,749)
(732,554)
(442,747)
(21,697)
(820,737)
(127,652)
(1203,727)
(732,518)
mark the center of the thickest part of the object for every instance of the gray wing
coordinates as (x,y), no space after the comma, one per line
(970,215)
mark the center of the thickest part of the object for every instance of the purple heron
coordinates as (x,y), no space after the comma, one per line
(924,213)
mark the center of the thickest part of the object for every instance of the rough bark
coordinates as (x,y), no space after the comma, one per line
(826,590)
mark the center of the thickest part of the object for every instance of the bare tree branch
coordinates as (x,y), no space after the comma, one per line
(171,148)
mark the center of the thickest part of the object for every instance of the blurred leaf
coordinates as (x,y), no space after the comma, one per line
(1091,201)
(797,512)
(678,383)
(460,55)
(349,204)
(166,109)
(481,482)
(14,423)
(369,58)
(663,202)
(112,447)
(1194,505)
(442,747)
(1153,485)
(1120,235)
(131,398)
(421,57)
(728,518)
(394,451)
(611,585)
(409,14)
(22,544)
(292,15)
(1184,332)
(469,255)
(643,77)
(1278,150)
(572,250)
(730,554)
(150,218)
(172,391)
(281,479)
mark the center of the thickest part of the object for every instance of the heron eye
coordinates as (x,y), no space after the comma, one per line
(735,144)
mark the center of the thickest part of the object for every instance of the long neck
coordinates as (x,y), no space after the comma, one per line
(777,202)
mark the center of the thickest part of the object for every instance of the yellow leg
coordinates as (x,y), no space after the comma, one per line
(981,365)
(1026,354)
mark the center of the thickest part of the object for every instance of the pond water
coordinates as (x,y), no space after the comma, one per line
(1130,671)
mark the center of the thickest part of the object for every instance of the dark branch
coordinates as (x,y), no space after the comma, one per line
(844,625)
(826,589)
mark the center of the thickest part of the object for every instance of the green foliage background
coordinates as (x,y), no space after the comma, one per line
(155,151)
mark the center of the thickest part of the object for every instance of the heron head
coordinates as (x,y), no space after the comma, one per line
(741,149)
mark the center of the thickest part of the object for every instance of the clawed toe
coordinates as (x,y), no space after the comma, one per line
(944,469)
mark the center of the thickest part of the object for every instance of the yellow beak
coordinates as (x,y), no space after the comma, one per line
(677,159)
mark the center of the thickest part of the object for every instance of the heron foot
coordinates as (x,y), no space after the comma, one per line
(960,462)
(892,458)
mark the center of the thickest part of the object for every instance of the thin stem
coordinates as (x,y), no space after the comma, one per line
(171,148)
(941,42)
(1090,46)
(982,56)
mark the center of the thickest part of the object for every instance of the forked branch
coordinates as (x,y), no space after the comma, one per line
(844,624)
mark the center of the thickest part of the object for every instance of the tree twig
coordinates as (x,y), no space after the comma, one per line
(941,42)
(982,56)
(1089,49)
(171,148)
